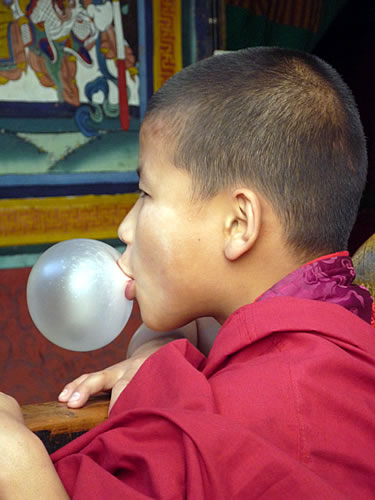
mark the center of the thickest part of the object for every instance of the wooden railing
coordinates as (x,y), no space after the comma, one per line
(56,424)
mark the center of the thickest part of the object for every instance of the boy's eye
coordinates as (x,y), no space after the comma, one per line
(141,193)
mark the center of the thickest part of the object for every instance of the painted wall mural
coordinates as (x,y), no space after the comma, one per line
(75,76)
(65,51)
(65,65)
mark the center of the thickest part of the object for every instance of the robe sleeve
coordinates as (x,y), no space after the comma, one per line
(165,440)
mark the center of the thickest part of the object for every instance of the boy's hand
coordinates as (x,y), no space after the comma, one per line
(115,378)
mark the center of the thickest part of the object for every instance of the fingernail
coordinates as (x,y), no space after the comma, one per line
(63,393)
(74,396)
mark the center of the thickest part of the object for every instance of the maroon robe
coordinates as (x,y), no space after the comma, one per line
(283,407)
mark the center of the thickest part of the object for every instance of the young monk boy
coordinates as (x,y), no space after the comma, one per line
(252,166)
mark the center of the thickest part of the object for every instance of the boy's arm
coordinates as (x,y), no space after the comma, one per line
(201,333)
(143,344)
(145,335)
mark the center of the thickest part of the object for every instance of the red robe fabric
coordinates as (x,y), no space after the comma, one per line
(283,407)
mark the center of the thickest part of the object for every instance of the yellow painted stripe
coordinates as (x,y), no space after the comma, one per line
(47,220)
(6,17)
(167,56)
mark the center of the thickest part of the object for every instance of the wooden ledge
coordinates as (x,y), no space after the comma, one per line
(56,424)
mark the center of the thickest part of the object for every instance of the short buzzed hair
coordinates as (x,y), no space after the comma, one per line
(280,121)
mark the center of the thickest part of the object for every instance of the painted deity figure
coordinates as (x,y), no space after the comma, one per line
(53,37)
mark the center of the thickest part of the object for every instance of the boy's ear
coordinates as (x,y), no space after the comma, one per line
(242,226)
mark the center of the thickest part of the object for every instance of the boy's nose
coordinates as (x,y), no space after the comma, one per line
(125,229)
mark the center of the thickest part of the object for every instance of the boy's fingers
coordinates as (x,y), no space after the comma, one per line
(78,399)
(68,390)
(89,385)
(76,393)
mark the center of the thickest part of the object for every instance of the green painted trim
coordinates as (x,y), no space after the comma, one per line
(189,38)
(16,257)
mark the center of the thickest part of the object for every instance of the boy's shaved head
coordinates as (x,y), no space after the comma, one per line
(279,121)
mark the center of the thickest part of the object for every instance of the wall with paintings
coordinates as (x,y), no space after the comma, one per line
(75,76)
(69,118)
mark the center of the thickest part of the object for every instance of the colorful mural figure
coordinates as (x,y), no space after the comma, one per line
(70,47)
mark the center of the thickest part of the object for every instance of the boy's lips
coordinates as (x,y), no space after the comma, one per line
(130,283)
(130,289)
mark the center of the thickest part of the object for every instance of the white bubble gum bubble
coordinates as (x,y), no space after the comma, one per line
(76,295)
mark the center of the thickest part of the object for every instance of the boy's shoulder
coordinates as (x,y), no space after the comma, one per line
(293,322)
(285,367)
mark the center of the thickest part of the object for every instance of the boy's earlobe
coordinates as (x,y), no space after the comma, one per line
(242,226)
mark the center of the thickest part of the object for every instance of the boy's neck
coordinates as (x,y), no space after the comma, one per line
(253,275)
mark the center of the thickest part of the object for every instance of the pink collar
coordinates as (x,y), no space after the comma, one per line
(329,279)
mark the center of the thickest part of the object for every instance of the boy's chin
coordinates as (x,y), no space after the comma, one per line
(162,322)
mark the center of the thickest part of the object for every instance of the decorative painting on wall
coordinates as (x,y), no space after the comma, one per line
(75,76)
(69,81)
